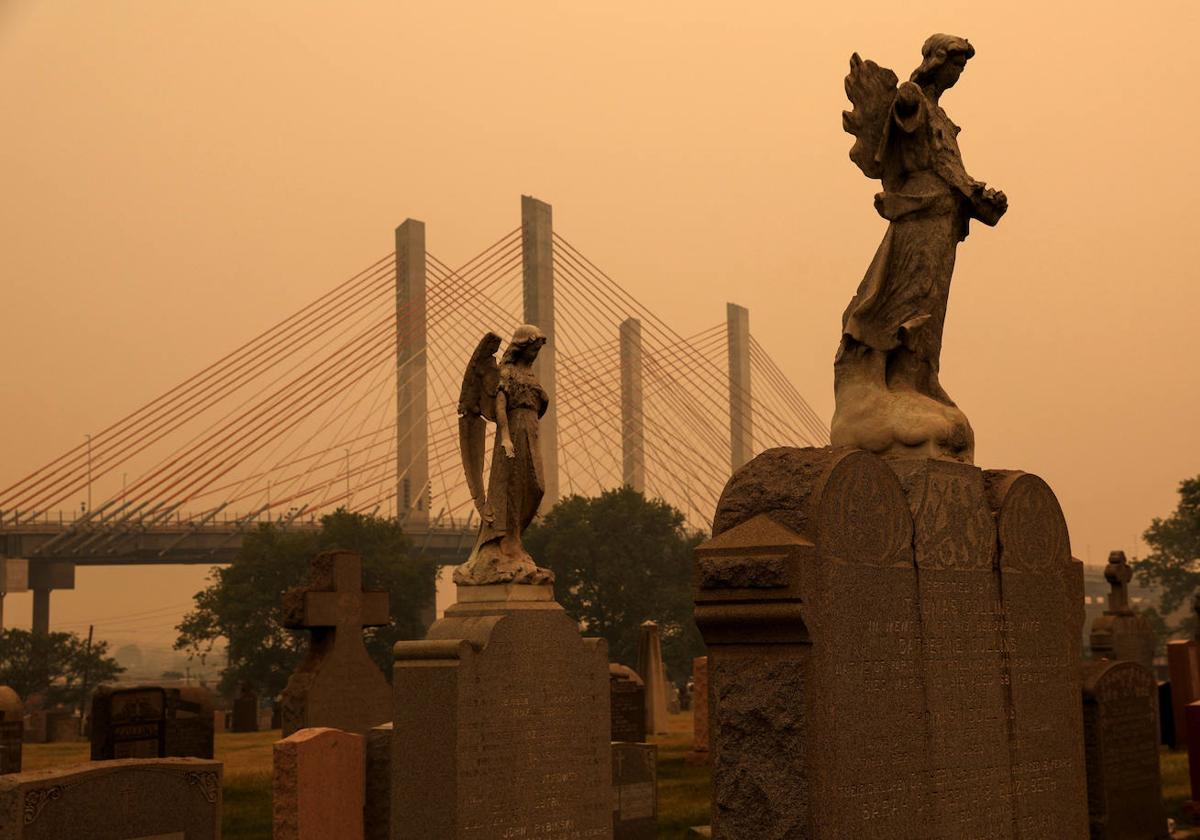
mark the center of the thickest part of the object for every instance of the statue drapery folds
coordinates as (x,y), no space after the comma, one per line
(889,399)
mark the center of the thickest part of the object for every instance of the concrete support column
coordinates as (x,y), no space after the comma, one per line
(2,594)
(41,612)
(413,496)
(537,258)
(741,414)
(633,427)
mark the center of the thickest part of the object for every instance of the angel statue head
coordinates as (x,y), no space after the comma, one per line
(943,59)
(527,340)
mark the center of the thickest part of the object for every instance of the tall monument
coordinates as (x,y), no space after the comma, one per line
(894,633)
(505,703)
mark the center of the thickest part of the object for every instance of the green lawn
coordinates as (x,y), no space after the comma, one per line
(683,789)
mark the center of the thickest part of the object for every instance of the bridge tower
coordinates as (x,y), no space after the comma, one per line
(537,262)
(412,361)
(741,412)
(633,426)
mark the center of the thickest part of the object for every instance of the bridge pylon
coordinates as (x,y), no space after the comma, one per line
(633,423)
(537,264)
(741,409)
(413,494)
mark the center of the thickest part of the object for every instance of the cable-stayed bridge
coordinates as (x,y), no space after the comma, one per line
(351,402)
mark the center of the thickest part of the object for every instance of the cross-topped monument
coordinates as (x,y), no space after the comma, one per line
(1118,574)
(337,685)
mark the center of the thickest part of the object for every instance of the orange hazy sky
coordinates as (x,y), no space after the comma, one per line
(179,176)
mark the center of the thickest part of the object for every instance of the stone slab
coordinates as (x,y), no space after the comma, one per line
(114,800)
(1121,737)
(635,791)
(245,712)
(506,707)
(377,808)
(11,732)
(1183,671)
(317,788)
(627,698)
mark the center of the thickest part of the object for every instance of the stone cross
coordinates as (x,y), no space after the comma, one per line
(337,685)
(335,600)
(1118,574)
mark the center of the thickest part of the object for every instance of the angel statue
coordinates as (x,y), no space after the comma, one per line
(509,395)
(888,397)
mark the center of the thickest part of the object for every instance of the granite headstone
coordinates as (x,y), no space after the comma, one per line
(627,704)
(635,791)
(151,721)
(1120,633)
(337,685)
(1121,736)
(317,785)
(127,799)
(894,652)
(245,710)
(501,723)
(12,725)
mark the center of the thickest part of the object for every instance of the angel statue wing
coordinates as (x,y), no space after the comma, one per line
(476,406)
(872,90)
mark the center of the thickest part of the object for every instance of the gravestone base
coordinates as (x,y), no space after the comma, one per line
(501,723)
(894,652)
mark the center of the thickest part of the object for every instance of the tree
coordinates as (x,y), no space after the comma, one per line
(55,666)
(243,604)
(618,560)
(1174,562)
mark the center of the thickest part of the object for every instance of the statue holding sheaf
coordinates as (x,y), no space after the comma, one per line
(509,395)
(889,399)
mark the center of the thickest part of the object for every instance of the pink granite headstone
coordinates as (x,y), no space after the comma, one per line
(318,786)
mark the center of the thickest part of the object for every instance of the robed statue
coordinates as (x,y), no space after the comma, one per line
(889,399)
(509,395)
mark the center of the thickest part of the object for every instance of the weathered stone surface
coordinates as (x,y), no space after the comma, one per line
(700,707)
(1183,668)
(501,724)
(317,790)
(151,721)
(337,685)
(1043,614)
(635,791)
(12,725)
(114,800)
(653,673)
(1121,733)
(377,808)
(627,704)
(911,681)
(1120,633)
(245,711)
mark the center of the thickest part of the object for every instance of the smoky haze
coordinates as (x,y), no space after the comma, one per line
(178,177)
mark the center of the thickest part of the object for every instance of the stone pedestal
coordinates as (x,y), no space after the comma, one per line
(501,723)
(1121,734)
(894,652)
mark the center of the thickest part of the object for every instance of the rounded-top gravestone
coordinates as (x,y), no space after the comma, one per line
(12,725)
